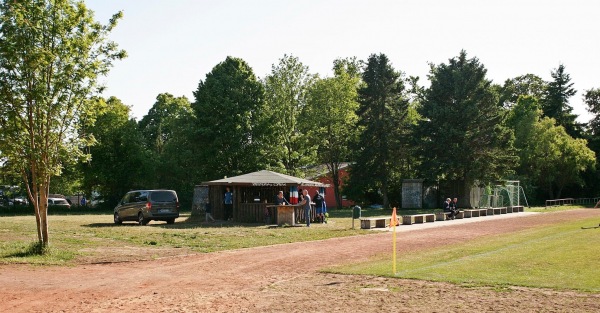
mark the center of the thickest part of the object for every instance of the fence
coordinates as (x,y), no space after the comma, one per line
(571,201)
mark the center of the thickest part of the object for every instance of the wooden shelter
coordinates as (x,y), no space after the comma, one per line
(253,194)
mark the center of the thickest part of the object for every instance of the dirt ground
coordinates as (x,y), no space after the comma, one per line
(285,278)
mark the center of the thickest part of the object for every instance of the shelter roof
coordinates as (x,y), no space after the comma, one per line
(265,178)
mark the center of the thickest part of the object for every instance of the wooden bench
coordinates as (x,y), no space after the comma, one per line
(482,212)
(517,208)
(374,222)
(441,216)
(472,213)
(417,219)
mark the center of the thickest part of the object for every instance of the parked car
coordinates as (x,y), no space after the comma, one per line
(58,202)
(144,206)
(20,201)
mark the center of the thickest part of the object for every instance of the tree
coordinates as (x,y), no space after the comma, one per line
(119,160)
(555,102)
(524,85)
(51,54)
(548,157)
(156,125)
(160,126)
(592,100)
(331,108)
(285,96)
(461,134)
(228,107)
(382,116)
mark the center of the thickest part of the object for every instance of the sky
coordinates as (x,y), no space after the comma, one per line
(173,44)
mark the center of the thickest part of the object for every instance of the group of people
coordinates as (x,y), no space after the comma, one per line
(304,201)
(452,207)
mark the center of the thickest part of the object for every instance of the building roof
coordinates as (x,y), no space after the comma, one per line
(265,178)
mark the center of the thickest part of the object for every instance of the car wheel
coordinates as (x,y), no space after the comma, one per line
(118,219)
(171,221)
(141,220)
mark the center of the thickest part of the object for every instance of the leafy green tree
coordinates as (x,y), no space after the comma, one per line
(180,167)
(592,100)
(461,133)
(524,85)
(119,159)
(228,108)
(555,102)
(156,125)
(160,126)
(331,107)
(285,94)
(548,157)
(382,116)
(51,54)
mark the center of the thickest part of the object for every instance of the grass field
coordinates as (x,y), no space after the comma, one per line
(564,256)
(78,237)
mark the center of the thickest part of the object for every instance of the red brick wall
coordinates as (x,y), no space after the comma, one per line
(329,194)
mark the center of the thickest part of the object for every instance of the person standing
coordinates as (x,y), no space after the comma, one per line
(306,205)
(228,204)
(321,207)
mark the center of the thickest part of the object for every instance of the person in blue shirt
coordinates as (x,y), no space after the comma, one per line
(306,205)
(228,200)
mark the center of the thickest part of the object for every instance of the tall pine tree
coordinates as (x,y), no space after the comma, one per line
(382,116)
(555,102)
(461,136)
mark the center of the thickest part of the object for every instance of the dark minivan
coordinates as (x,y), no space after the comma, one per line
(144,206)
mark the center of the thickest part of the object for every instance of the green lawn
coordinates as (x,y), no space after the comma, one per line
(74,236)
(563,256)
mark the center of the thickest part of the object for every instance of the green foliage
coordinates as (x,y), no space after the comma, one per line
(169,129)
(285,94)
(330,107)
(461,134)
(525,85)
(229,105)
(592,100)
(120,161)
(383,144)
(555,102)
(549,157)
(51,55)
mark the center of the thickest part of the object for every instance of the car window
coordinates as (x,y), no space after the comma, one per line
(143,196)
(125,198)
(61,201)
(164,196)
(135,197)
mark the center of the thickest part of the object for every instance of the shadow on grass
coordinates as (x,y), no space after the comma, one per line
(34,249)
(189,223)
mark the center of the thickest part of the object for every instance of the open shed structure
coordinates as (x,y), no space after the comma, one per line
(253,194)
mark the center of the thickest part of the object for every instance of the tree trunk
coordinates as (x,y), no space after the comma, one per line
(335,178)
(384,192)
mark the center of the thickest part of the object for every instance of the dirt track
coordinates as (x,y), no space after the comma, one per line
(283,278)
